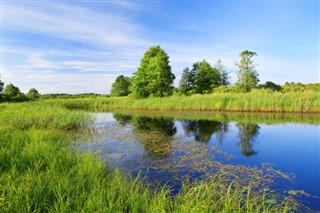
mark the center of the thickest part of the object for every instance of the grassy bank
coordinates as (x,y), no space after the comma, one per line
(245,102)
(39,172)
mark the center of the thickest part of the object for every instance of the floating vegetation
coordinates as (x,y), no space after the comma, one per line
(151,147)
(170,160)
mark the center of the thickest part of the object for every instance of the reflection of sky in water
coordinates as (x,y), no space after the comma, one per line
(292,148)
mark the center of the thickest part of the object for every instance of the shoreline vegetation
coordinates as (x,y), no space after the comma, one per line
(42,172)
(298,102)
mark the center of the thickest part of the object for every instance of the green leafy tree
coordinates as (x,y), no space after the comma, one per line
(1,86)
(206,77)
(33,94)
(188,81)
(271,85)
(121,86)
(154,76)
(11,91)
(223,79)
(247,74)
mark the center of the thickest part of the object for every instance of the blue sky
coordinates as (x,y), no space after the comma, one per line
(82,46)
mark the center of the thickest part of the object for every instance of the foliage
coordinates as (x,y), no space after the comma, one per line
(299,87)
(206,77)
(223,79)
(12,93)
(121,86)
(33,94)
(270,85)
(1,86)
(154,76)
(247,74)
(188,81)
(201,79)
(1,89)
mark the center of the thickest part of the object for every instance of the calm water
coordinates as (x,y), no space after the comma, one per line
(278,151)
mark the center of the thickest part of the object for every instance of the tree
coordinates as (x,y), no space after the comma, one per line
(223,79)
(121,86)
(247,74)
(271,85)
(11,91)
(206,77)
(1,86)
(33,94)
(188,81)
(154,76)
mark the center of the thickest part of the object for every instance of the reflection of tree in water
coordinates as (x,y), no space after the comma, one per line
(223,130)
(155,134)
(247,134)
(122,118)
(165,125)
(203,129)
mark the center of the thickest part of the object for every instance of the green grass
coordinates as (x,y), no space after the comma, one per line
(40,172)
(302,102)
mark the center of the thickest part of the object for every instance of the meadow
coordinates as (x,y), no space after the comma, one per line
(42,171)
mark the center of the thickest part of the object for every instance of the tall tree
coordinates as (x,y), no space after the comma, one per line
(247,74)
(206,77)
(121,86)
(154,76)
(188,81)
(223,79)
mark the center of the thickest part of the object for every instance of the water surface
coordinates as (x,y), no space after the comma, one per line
(277,151)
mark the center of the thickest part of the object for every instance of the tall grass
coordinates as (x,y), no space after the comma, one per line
(39,172)
(308,102)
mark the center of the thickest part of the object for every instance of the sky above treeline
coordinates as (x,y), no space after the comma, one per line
(82,46)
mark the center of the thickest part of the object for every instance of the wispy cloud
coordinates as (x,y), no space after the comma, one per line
(81,46)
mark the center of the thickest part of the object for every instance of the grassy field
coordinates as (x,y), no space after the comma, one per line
(40,171)
(298,102)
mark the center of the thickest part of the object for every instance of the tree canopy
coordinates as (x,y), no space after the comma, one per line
(201,79)
(154,76)
(121,86)
(33,94)
(247,74)
(188,81)
(223,79)
(11,91)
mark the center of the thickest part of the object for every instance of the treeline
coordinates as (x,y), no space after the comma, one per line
(11,93)
(155,79)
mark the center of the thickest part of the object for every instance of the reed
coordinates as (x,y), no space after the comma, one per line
(298,102)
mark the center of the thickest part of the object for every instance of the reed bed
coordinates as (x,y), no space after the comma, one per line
(303,102)
(41,171)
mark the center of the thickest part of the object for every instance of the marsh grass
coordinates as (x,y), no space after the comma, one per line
(302,102)
(39,172)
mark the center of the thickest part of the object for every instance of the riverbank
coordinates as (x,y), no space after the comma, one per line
(42,172)
(244,102)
